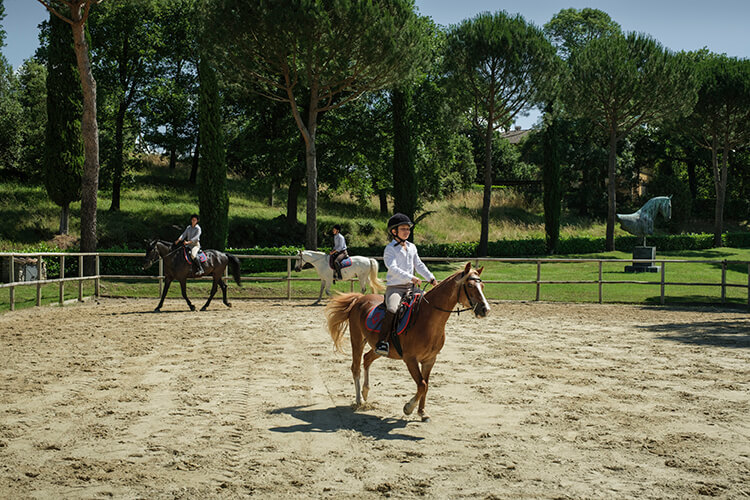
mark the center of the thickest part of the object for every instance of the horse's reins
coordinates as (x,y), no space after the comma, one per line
(458,299)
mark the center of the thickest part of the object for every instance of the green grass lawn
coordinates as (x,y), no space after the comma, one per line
(646,291)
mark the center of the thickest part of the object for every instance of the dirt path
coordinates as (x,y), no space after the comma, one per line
(536,401)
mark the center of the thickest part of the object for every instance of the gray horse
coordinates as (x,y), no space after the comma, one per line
(641,223)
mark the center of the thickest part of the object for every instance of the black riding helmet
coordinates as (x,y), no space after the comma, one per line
(398,219)
(337,227)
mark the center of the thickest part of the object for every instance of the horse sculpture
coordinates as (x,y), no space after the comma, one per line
(363,268)
(176,267)
(420,344)
(641,223)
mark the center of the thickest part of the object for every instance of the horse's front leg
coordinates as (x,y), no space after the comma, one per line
(370,357)
(320,293)
(413,365)
(167,282)
(358,346)
(426,369)
(363,284)
(214,286)
(183,287)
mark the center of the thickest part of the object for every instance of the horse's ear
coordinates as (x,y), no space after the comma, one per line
(467,268)
(670,196)
(479,270)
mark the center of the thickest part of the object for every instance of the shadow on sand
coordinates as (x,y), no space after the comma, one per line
(343,418)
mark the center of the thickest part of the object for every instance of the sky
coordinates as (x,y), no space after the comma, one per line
(720,25)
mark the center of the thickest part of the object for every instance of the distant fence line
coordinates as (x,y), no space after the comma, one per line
(289,278)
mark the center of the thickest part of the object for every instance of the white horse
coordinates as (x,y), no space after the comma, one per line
(364,268)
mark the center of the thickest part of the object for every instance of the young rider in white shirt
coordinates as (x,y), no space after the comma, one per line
(402,260)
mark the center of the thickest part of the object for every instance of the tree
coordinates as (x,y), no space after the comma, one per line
(32,95)
(720,120)
(212,173)
(622,82)
(77,15)
(495,61)
(317,56)
(63,150)
(125,40)
(404,157)
(569,30)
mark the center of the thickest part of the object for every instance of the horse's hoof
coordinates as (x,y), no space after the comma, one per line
(408,409)
(365,392)
(425,417)
(192,308)
(229,304)
(158,309)
(203,308)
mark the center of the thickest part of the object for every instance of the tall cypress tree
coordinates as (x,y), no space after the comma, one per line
(212,170)
(63,151)
(404,174)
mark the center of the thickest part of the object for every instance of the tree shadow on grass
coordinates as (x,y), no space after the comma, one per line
(343,418)
(730,333)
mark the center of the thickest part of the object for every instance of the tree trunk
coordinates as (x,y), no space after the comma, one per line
(90,132)
(551,178)
(383,198)
(196,160)
(295,187)
(311,226)
(692,180)
(64,218)
(487,198)
(271,192)
(118,160)
(720,188)
(611,192)
(172,158)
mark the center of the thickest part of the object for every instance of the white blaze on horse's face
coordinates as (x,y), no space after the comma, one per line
(473,293)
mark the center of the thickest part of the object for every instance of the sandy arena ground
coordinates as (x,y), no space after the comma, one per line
(537,401)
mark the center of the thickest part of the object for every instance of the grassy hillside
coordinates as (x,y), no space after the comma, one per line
(156,202)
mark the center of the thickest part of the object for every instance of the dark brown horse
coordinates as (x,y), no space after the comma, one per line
(423,340)
(176,267)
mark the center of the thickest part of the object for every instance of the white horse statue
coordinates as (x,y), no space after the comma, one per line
(641,223)
(363,268)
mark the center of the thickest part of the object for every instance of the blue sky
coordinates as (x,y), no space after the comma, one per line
(720,25)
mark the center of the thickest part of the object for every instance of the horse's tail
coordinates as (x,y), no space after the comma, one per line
(337,314)
(375,283)
(234,264)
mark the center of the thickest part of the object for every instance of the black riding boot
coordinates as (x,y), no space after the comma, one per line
(198,267)
(386,327)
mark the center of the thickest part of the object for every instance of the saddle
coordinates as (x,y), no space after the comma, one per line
(344,262)
(201,256)
(407,313)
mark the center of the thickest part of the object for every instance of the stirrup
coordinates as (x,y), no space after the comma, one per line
(381,348)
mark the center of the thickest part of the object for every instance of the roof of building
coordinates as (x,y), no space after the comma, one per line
(514,136)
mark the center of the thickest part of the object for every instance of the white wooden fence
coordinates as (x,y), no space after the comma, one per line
(289,278)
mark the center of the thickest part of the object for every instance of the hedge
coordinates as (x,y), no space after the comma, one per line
(530,247)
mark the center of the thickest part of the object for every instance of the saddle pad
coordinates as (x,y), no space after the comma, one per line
(377,313)
(201,256)
(346,262)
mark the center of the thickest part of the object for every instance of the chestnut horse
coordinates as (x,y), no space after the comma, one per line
(421,343)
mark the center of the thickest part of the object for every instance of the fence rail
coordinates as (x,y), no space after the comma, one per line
(289,278)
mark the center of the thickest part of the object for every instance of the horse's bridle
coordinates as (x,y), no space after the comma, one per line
(458,298)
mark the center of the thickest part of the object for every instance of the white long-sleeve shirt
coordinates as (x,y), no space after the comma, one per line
(192,234)
(339,243)
(401,262)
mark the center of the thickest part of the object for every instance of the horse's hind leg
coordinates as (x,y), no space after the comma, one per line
(370,357)
(358,345)
(426,369)
(224,293)
(183,287)
(211,295)
(413,365)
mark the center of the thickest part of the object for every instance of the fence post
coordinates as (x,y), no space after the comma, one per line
(748,285)
(538,277)
(663,271)
(96,281)
(80,275)
(600,282)
(723,281)
(39,280)
(13,280)
(62,279)
(289,278)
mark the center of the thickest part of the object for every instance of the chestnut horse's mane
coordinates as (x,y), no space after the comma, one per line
(447,280)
